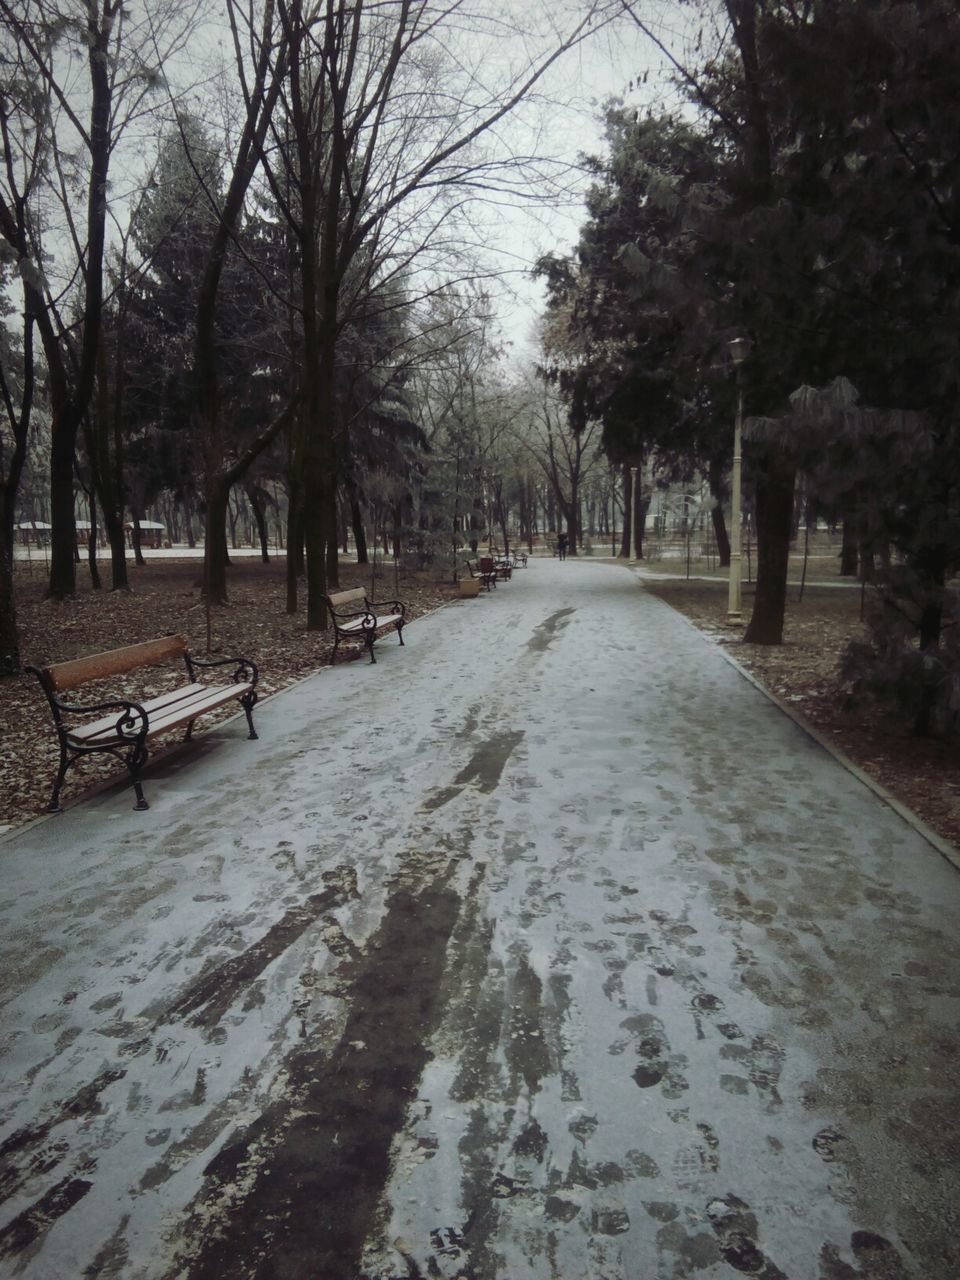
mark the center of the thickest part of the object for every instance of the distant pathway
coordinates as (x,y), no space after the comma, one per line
(546,947)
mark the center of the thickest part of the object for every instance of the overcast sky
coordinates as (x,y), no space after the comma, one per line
(620,62)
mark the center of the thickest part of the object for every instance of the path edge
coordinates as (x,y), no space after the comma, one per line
(943,847)
(96,789)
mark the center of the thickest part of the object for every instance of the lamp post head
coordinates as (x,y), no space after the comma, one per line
(739,349)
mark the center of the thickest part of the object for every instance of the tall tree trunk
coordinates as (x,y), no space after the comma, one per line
(92,542)
(359,532)
(63,534)
(716,515)
(259,516)
(343,527)
(295,562)
(848,547)
(68,409)
(333,559)
(137,534)
(188,521)
(233,519)
(319,281)
(721,535)
(102,429)
(640,522)
(116,536)
(9,639)
(316,527)
(866,560)
(627,511)
(261,99)
(774,515)
(215,559)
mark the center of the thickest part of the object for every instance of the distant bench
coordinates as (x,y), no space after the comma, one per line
(356,618)
(486,577)
(125,732)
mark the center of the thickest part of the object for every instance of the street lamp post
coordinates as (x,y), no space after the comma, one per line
(633,515)
(738,348)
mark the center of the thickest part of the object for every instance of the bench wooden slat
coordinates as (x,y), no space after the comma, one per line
(85,733)
(165,712)
(354,595)
(68,675)
(356,624)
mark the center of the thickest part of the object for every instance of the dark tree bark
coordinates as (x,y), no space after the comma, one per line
(188,521)
(774,516)
(101,432)
(136,535)
(92,543)
(627,511)
(255,499)
(359,532)
(848,547)
(715,479)
(721,535)
(640,522)
(117,538)
(69,404)
(333,557)
(19,421)
(9,640)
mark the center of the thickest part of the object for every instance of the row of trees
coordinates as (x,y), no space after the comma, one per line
(223,231)
(487,454)
(808,200)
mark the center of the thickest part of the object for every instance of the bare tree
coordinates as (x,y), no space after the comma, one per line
(566,452)
(91,71)
(382,159)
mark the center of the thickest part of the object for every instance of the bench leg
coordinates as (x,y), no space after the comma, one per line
(188,736)
(400,631)
(54,806)
(135,762)
(247,702)
(336,645)
(370,639)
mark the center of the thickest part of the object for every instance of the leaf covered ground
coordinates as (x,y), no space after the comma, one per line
(165,597)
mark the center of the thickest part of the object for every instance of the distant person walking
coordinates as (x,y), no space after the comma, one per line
(562,546)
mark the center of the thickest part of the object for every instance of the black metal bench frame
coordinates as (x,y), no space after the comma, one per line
(487,578)
(363,622)
(125,732)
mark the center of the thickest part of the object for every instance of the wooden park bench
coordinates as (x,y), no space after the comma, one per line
(125,732)
(491,565)
(487,577)
(356,618)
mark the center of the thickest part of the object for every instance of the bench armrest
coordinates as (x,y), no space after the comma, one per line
(132,723)
(343,615)
(396,605)
(246,670)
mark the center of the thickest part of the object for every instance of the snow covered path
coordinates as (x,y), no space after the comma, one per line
(546,947)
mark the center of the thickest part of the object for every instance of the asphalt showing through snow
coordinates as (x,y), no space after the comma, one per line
(546,947)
